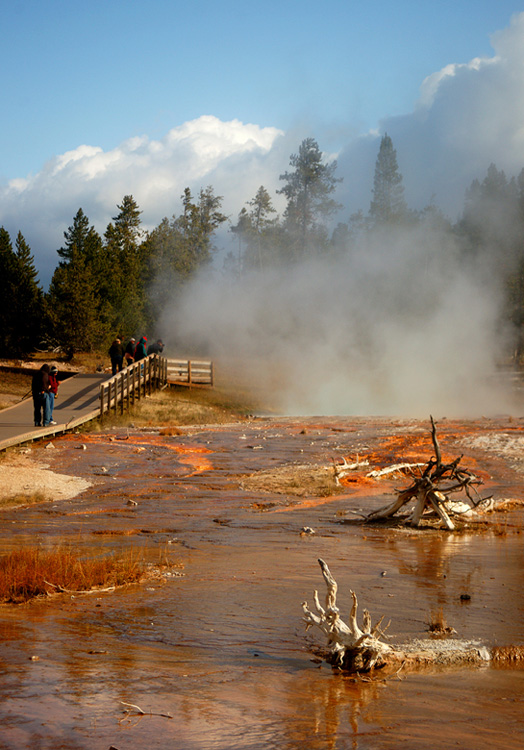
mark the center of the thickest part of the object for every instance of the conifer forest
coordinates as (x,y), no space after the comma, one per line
(106,285)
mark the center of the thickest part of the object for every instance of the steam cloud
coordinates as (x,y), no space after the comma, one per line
(394,329)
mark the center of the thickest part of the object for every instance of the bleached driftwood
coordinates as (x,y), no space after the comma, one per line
(355,648)
(351,647)
(431,489)
(377,473)
(340,469)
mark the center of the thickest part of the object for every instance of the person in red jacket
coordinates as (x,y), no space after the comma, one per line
(53,391)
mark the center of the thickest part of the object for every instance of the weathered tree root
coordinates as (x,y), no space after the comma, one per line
(430,491)
(359,649)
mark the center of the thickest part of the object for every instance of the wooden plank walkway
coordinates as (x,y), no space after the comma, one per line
(78,402)
(84,397)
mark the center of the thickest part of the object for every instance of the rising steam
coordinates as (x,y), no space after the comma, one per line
(397,327)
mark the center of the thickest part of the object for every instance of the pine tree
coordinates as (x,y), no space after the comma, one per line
(308,190)
(75,238)
(256,231)
(176,249)
(388,205)
(74,300)
(73,307)
(8,274)
(30,313)
(125,259)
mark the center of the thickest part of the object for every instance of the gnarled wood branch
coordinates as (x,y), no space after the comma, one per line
(359,649)
(430,491)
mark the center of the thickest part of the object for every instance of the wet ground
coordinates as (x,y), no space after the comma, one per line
(218,646)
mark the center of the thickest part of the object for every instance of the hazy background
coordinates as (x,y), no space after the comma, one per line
(399,327)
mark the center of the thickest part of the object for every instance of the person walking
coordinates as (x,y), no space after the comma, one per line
(140,351)
(129,353)
(40,391)
(116,354)
(53,391)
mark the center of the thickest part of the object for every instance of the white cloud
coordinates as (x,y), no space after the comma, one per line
(43,205)
(468,116)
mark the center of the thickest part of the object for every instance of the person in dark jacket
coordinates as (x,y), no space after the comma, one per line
(156,348)
(40,391)
(140,351)
(129,353)
(116,353)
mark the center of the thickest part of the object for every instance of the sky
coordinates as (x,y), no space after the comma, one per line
(104,99)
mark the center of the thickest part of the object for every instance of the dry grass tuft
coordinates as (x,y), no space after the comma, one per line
(182,406)
(508,654)
(437,624)
(31,572)
(22,499)
(300,480)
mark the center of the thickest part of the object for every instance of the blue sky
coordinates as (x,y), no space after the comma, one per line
(104,99)
(97,73)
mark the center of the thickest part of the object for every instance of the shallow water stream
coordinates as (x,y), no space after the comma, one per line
(218,644)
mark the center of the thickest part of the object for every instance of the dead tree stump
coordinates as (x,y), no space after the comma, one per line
(430,491)
(358,648)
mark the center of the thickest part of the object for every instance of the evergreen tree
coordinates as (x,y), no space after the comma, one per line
(491,232)
(74,293)
(256,231)
(195,230)
(242,230)
(125,259)
(8,274)
(75,238)
(178,248)
(73,307)
(30,313)
(492,221)
(388,205)
(308,191)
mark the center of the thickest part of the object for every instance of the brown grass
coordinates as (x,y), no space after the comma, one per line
(182,406)
(31,572)
(437,623)
(22,499)
(300,480)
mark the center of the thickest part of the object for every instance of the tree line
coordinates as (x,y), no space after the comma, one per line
(108,285)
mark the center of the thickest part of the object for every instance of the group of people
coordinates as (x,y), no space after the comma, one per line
(44,388)
(133,352)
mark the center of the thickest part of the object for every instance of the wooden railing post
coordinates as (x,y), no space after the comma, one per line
(121,381)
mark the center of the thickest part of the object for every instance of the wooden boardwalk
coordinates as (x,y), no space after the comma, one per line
(84,397)
(78,402)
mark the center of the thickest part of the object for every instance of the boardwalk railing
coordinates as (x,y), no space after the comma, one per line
(190,372)
(133,383)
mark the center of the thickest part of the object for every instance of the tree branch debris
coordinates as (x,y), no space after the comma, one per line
(431,488)
(358,648)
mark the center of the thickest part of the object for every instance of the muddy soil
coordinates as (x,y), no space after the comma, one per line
(215,653)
